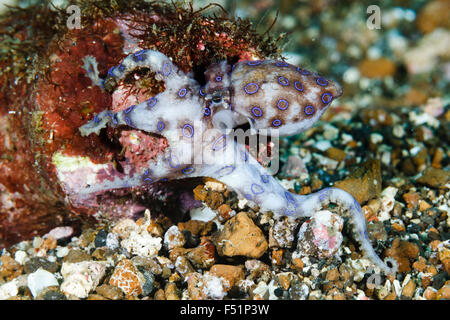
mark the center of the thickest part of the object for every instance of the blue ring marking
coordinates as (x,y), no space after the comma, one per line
(289,197)
(286,103)
(225,170)
(146,172)
(96,119)
(160,126)
(309,110)
(222,137)
(321,82)
(121,67)
(288,212)
(296,86)
(323,194)
(251,84)
(114,118)
(257,112)
(265,178)
(218,78)
(164,179)
(136,54)
(164,67)
(190,127)
(303,71)
(244,155)
(128,110)
(233,66)
(207,111)
(257,189)
(327,94)
(254,63)
(276,122)
(248,196)
(281,64)
(188,170)
(177,162)
(201,92)
(128,121)
(149,180)
(283,81)
(182,92)
(152,102)
(110,71)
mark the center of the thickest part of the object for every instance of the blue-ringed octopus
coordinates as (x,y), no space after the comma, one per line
(197,122)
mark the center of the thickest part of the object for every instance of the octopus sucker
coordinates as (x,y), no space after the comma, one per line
(233,96)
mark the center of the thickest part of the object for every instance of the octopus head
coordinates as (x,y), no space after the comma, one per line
(275,94)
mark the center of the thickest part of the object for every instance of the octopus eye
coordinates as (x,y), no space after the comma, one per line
(327,98)
(276,122)
(283,81)
(216,99)
(321,82)
(282,104)
(309,110)
(253,88)
(257,112)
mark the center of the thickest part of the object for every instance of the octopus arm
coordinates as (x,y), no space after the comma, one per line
(252,181)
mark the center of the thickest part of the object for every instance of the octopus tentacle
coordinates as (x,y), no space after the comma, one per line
(252,181)
(310,203)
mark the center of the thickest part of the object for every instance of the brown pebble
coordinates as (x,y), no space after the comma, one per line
(364,183)
(335,154)
(332,275)
(200,193)
(420,264)
(412,199)
(232,274)
(434,177)
(224,211)
(76,255)
(408,290)
(240,237)
(377,68)
(443,293)
(277,257)
(160,295)
(203,256)
(109,292)
(430,293)
(433,15)
(171,291)
(402,251)
(297,264)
